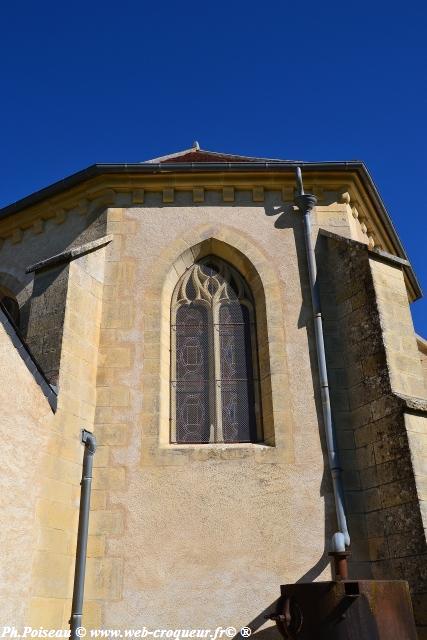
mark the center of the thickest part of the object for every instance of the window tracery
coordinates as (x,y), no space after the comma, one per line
(214,372)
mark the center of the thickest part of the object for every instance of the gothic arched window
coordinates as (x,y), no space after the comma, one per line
(214,369)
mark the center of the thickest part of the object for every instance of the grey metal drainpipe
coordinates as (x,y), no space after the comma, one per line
(89,441)
(306,202)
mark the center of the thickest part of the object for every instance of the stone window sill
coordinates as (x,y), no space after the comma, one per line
(218,446)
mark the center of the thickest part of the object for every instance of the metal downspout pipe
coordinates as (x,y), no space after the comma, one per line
(89,441)
(341,539)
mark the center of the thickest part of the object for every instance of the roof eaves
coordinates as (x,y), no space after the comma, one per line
(98,169)
(254,166)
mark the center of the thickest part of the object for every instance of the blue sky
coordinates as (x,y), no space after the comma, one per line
(87,82)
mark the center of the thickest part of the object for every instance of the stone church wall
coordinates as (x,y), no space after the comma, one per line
(372,361)
(41,460)
(422,350)
(59,493)
(203,533)
(25,412)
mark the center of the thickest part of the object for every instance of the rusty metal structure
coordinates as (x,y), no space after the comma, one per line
(346,610)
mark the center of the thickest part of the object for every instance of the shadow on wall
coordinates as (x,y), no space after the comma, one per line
(288,218)
(271,632)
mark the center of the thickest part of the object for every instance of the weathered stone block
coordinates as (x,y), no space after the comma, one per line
(46,612)
(106,478)
(53,574)
(106,522)
(104,578)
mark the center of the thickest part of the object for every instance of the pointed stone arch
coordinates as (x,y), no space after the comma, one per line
(250,261)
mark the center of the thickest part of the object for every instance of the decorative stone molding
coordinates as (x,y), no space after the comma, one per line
(17,236)
(60,216)
(198,194)
(90,197)
(104,196)
(288,194)
(344,196)
(138,196)
(228,194)
(234,247)
(168,196)
(371,241)
(258,194)
(82,206)
(70,254)
(38,226)
(318,192)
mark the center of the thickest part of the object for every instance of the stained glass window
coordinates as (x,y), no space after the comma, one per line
(214,381)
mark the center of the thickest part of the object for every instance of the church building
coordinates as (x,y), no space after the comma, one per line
(167,307)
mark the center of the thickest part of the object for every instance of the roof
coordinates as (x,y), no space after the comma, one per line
(196,160)
(196,154)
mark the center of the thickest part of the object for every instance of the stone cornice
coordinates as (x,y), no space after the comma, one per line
(410,403)
(347,184)
(70,254)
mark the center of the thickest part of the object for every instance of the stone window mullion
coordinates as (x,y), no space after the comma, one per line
(212,377)
(217,382)
(214,370)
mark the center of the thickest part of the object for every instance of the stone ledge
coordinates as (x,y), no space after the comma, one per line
(413,403)
(70,254)
(373,253)
(389,257)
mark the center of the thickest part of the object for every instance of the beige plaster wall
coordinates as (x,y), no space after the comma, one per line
(203,535)
(23,438)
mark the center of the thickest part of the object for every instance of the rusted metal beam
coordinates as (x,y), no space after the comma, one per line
(346,610)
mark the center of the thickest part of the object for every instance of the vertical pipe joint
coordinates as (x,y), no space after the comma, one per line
(89,440)
(305,202)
